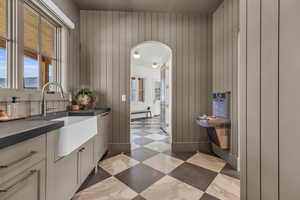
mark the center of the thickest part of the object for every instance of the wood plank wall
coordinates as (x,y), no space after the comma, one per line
(260,93)
(289,99)
(225,62)
(73,60)
(71,80)
(106,40)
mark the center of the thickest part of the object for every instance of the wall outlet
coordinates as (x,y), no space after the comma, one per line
(123,98)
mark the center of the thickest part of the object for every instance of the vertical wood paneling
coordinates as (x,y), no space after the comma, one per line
(225,60)
(269,108)
(202,70)
(261,79)
(103,59)
(185,71)
(289,99)
(110,77)
(173,46)
(122,72)
(179,73)
(253,100)
(129,44)
(107,38)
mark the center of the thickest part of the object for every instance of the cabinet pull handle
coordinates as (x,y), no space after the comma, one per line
(10,188)
(82,149)
(29,155)
(104,114)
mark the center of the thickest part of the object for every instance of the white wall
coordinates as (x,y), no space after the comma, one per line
(150,75)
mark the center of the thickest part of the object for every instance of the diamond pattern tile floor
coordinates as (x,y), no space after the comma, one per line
(140,177)
(108,189)
(193,175)
(163,163)
(170,188)
(117,164)
(142,154)
(152,171)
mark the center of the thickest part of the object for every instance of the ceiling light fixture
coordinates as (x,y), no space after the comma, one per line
(154,65)
(136,55)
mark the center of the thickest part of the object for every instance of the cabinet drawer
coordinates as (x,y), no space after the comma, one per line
(17,158)
(28,185)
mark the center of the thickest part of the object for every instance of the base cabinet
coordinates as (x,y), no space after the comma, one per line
(66,174)
(30,184)
(33,170)
(101,140)
(85,160)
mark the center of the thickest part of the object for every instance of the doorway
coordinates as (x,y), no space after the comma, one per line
(150,96)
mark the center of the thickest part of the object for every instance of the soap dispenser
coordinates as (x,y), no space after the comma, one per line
(12,107)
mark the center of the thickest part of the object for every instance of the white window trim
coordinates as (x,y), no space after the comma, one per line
(15,44)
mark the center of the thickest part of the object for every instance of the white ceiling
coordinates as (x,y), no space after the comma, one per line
(179,6)
(151,52)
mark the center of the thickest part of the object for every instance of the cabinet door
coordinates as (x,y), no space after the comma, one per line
(105,123)
(66,178)
(86,160)
(30,184)
(101,140)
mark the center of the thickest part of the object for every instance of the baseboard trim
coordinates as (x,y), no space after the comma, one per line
(226,155)
(191,147)
(119,147)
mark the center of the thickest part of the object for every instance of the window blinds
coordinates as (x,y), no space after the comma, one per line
(48,32)
(32,34)
(3,18)
(31,29)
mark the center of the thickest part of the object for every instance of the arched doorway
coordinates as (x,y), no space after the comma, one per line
(150,94)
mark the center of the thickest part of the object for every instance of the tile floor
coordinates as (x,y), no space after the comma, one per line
(151,171)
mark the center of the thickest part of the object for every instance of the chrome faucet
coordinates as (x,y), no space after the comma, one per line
(43,102)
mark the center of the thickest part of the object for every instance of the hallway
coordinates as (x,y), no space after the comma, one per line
(152,172)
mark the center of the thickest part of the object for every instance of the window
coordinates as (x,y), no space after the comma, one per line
(40,56)
(137,90)
(3,42)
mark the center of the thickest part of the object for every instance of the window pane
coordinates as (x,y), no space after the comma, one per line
(31,71)
(31,23)
(47,70)
(133,91)
(48,33)
(141,89)
(3,18)
(3,64)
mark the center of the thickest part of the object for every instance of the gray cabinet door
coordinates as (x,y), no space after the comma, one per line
(30,185)
(86,159)
(62,173)
(66,179)
(105,122)
(101,140)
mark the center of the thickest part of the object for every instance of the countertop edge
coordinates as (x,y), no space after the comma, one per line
(29,134)
(37,131)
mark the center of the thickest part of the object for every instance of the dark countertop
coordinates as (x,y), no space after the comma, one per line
(20,130)
(92,112)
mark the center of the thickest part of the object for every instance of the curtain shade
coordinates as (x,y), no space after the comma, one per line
(3,18)
(31,29)
(48,34)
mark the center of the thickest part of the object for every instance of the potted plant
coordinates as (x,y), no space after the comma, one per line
(85,98)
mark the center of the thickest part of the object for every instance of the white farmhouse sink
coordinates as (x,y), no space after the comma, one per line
(76,131)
